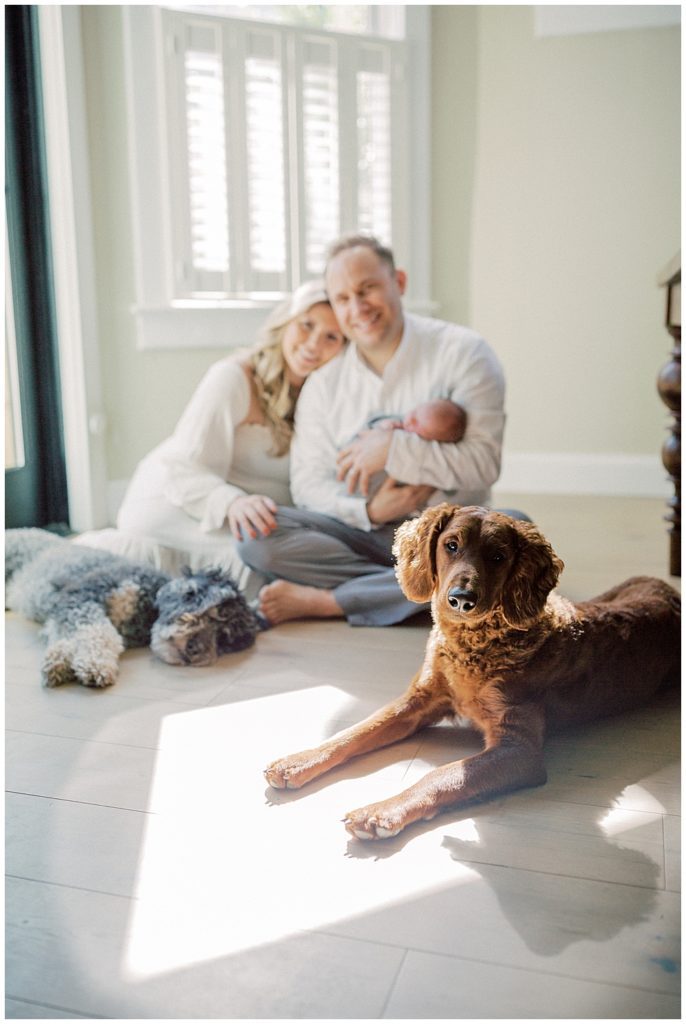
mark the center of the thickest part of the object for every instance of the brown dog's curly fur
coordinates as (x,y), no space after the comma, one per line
(506,653)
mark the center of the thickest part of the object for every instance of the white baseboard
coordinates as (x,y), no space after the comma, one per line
(640,476)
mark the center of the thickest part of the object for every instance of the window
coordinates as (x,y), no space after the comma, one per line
(259,118)
(255,144)
(388,21)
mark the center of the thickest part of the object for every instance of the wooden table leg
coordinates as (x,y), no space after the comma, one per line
(669,389)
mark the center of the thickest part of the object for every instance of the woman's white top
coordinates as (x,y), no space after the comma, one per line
(211,458)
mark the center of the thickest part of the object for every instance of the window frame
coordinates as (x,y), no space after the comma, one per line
(165,322)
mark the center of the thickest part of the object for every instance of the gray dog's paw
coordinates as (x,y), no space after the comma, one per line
(89,658)
(57,668)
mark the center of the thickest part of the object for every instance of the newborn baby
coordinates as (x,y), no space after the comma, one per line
(439,420)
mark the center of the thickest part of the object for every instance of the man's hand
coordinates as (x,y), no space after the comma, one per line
(363,457)
(251,515)
(395,501)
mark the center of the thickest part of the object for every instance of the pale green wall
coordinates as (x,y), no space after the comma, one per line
(144,392)
(556,203)
(454,53)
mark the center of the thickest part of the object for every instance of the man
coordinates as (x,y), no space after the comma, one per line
(331,556)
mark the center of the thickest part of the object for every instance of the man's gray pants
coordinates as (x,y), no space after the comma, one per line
(319,551)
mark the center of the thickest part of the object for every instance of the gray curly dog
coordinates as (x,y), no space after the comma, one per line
(95,604)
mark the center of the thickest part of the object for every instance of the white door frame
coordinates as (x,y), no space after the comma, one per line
(73,261)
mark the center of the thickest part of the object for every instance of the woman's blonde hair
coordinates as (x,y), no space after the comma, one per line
(276,396)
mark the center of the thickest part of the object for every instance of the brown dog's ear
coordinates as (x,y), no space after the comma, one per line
(414,548)
(535,574)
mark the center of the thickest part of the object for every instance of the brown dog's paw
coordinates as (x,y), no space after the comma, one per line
(374,822)
(277,775)
(292,772)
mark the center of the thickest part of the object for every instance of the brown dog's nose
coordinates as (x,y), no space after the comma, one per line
(462,599)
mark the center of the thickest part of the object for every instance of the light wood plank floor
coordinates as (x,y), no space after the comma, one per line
(151,874)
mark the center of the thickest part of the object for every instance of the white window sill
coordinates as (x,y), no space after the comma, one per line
(225,323)
(200,324)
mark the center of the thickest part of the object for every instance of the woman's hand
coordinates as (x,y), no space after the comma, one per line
(251,515)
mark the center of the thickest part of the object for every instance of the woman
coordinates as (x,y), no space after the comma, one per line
(225,468)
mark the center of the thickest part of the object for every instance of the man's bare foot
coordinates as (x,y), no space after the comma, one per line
(282,601)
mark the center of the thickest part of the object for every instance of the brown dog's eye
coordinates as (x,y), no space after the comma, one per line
(451,546)
(497,557)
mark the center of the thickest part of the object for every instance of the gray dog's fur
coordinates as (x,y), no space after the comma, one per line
(95,604)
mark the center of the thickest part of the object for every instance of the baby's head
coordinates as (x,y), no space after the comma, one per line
(440,420)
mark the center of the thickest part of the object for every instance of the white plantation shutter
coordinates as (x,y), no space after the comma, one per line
(374,213)
(279,139)
(206,160)
(320,130)
(198,170)
(265,177)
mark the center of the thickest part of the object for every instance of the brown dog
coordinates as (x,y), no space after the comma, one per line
(505,653)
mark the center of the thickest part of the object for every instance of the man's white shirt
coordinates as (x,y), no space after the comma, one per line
(434,359)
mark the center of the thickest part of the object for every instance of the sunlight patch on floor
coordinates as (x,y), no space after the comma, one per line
(227,864)
(637,796)
(618,821)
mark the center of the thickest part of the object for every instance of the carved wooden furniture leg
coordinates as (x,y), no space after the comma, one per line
(669,389)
